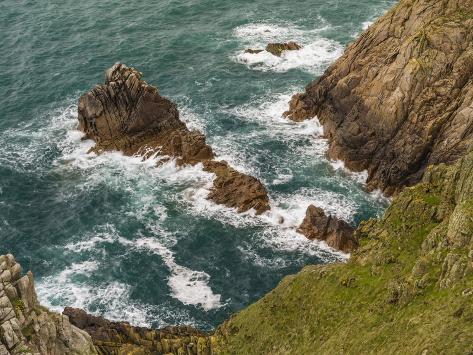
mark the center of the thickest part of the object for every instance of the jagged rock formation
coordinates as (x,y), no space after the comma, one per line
(121,338)
(401,97)
(228,187)
(129,115)
(408,289)
(28,328)
(336,233)
(276,48)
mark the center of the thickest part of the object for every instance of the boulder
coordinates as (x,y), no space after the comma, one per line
(277,48)
(234,189)
(336,233)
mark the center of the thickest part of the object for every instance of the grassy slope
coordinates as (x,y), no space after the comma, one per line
(406,291)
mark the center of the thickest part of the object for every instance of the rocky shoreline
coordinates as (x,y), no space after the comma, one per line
(398,103)
(400,98)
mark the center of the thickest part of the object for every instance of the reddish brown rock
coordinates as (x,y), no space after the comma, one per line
(122,338)
(401,96)
(234,189)
(129,115)
(277,48)
(336,233)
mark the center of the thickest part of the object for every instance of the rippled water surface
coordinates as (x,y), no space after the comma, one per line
(119,237)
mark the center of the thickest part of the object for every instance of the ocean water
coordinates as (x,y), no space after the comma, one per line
(115,235)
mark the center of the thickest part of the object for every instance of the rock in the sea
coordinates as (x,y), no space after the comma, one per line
(401,96)
(253,51)
(129,115)
(122,338)
(234,189)
(336,233)
(277,48)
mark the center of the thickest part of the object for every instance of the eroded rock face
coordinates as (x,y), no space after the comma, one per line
(28,328)
(122,338)
(127,114)
(401,97)
(336,233)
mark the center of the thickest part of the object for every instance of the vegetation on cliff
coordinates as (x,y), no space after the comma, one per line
(407,290)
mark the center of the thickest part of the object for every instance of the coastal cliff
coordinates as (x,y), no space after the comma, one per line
(408,289)
(400,98)
(399,103)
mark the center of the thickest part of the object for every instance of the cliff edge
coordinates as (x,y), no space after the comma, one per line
(401,96)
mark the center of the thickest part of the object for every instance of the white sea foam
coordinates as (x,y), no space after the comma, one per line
(316,53)
(366,24)
(188,286)
(359,177)
(72,287)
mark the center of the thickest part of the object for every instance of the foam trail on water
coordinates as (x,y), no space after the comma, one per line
(188,286)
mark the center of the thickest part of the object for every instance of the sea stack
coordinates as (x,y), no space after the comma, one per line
(127,114)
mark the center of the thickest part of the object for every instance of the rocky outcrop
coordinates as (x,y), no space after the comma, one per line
(276,48)
(122,338)
(336,233)
(407,289)
(28,328)
(401,97)
(234,189)
(129,115)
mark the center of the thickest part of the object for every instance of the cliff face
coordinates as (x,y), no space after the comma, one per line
(407,290)
(401,97)
(28,328)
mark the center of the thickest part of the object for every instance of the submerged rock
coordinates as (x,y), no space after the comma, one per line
(122,338)
(336,233)
(401,96)
(277,48)
(129,115)
(253,51)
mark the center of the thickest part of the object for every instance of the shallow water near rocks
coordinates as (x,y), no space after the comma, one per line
(115,235)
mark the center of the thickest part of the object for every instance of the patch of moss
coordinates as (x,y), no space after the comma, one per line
(28,331)
(18,306)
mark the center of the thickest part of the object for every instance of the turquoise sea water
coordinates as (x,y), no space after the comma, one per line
(118,237)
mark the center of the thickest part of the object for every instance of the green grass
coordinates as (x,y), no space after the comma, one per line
(385,300)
